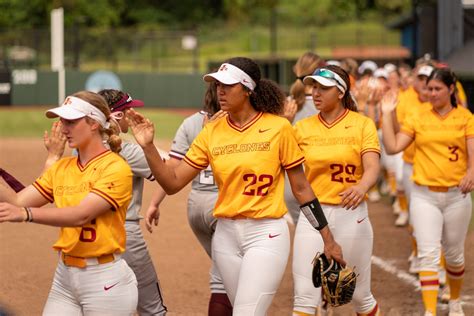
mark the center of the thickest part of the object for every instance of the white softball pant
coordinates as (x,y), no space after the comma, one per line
(352,230)
(407,181)
(150,299)
(251,255)
(203,223)
(103,289)
(440,220)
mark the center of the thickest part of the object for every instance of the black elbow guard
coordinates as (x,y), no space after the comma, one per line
(314,213)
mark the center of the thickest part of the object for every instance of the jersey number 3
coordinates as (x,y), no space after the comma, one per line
(258,185)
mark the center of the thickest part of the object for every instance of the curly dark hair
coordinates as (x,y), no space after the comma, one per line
(267,95)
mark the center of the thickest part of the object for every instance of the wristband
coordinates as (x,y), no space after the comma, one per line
(314,213)
(27,219)
(29,215)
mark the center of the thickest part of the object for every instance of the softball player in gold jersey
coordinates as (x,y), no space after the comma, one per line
(443,173)
(342,153)
(248,151)
(91,192)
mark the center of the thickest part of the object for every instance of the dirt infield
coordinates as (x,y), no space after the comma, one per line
(27,261)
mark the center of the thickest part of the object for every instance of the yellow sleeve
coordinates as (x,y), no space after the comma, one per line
(290,153)
(408,126)
(44,184)
(470,127)
(115,184)
(198,155)
(370,139)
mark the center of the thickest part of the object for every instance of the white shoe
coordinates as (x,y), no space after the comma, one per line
(374,196)
(455,308)
(427,313)
(396,207)
(414,265)
(444,295)
(402,219)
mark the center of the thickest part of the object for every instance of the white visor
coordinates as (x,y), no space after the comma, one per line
(74,108)
(229,74)
(425,71)
(327,78)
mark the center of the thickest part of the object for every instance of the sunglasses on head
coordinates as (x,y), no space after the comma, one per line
(326,73)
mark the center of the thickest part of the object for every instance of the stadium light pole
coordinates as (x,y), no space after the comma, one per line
(57,50)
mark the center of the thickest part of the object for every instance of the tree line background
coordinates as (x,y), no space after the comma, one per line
(190,14)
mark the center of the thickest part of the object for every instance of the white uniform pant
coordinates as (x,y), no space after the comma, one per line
(102,289)
(150,299)
(251,255)
(407,181)
(440,220)
(203,223)
(352,230)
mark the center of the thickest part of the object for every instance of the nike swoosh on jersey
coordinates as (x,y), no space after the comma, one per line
(106,288)
(263,130)
(273,236)
(347,126)
(361,220)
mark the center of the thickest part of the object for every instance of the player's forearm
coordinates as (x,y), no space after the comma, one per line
(389,137)
(60,217)
(7,194)
(163,174)
(371,172)
(157,197)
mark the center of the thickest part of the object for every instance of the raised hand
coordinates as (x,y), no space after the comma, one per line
(142,128)
(389,102)
(55,141)
(289,109)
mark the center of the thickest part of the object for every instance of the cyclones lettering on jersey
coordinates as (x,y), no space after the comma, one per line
(322,141)
(240,148)
(72,189)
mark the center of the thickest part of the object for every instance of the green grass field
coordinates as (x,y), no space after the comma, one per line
(31,122)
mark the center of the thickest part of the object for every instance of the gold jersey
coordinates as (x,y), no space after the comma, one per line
(334,152)
(248,163)
(67,183)
(408,103)
(440,145)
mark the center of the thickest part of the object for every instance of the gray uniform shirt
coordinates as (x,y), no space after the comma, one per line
(183,139)
(135,157)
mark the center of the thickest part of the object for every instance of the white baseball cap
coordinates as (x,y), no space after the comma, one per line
(367,64)
(230,74)
(327,78)
(74,108)
(425,70)
(381,73)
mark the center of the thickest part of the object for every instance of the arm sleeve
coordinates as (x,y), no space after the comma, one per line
(198,154)
(370,139)
(290,153)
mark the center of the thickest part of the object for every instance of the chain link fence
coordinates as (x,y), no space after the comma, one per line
(140,50)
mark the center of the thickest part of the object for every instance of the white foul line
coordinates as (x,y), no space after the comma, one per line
(408,278)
